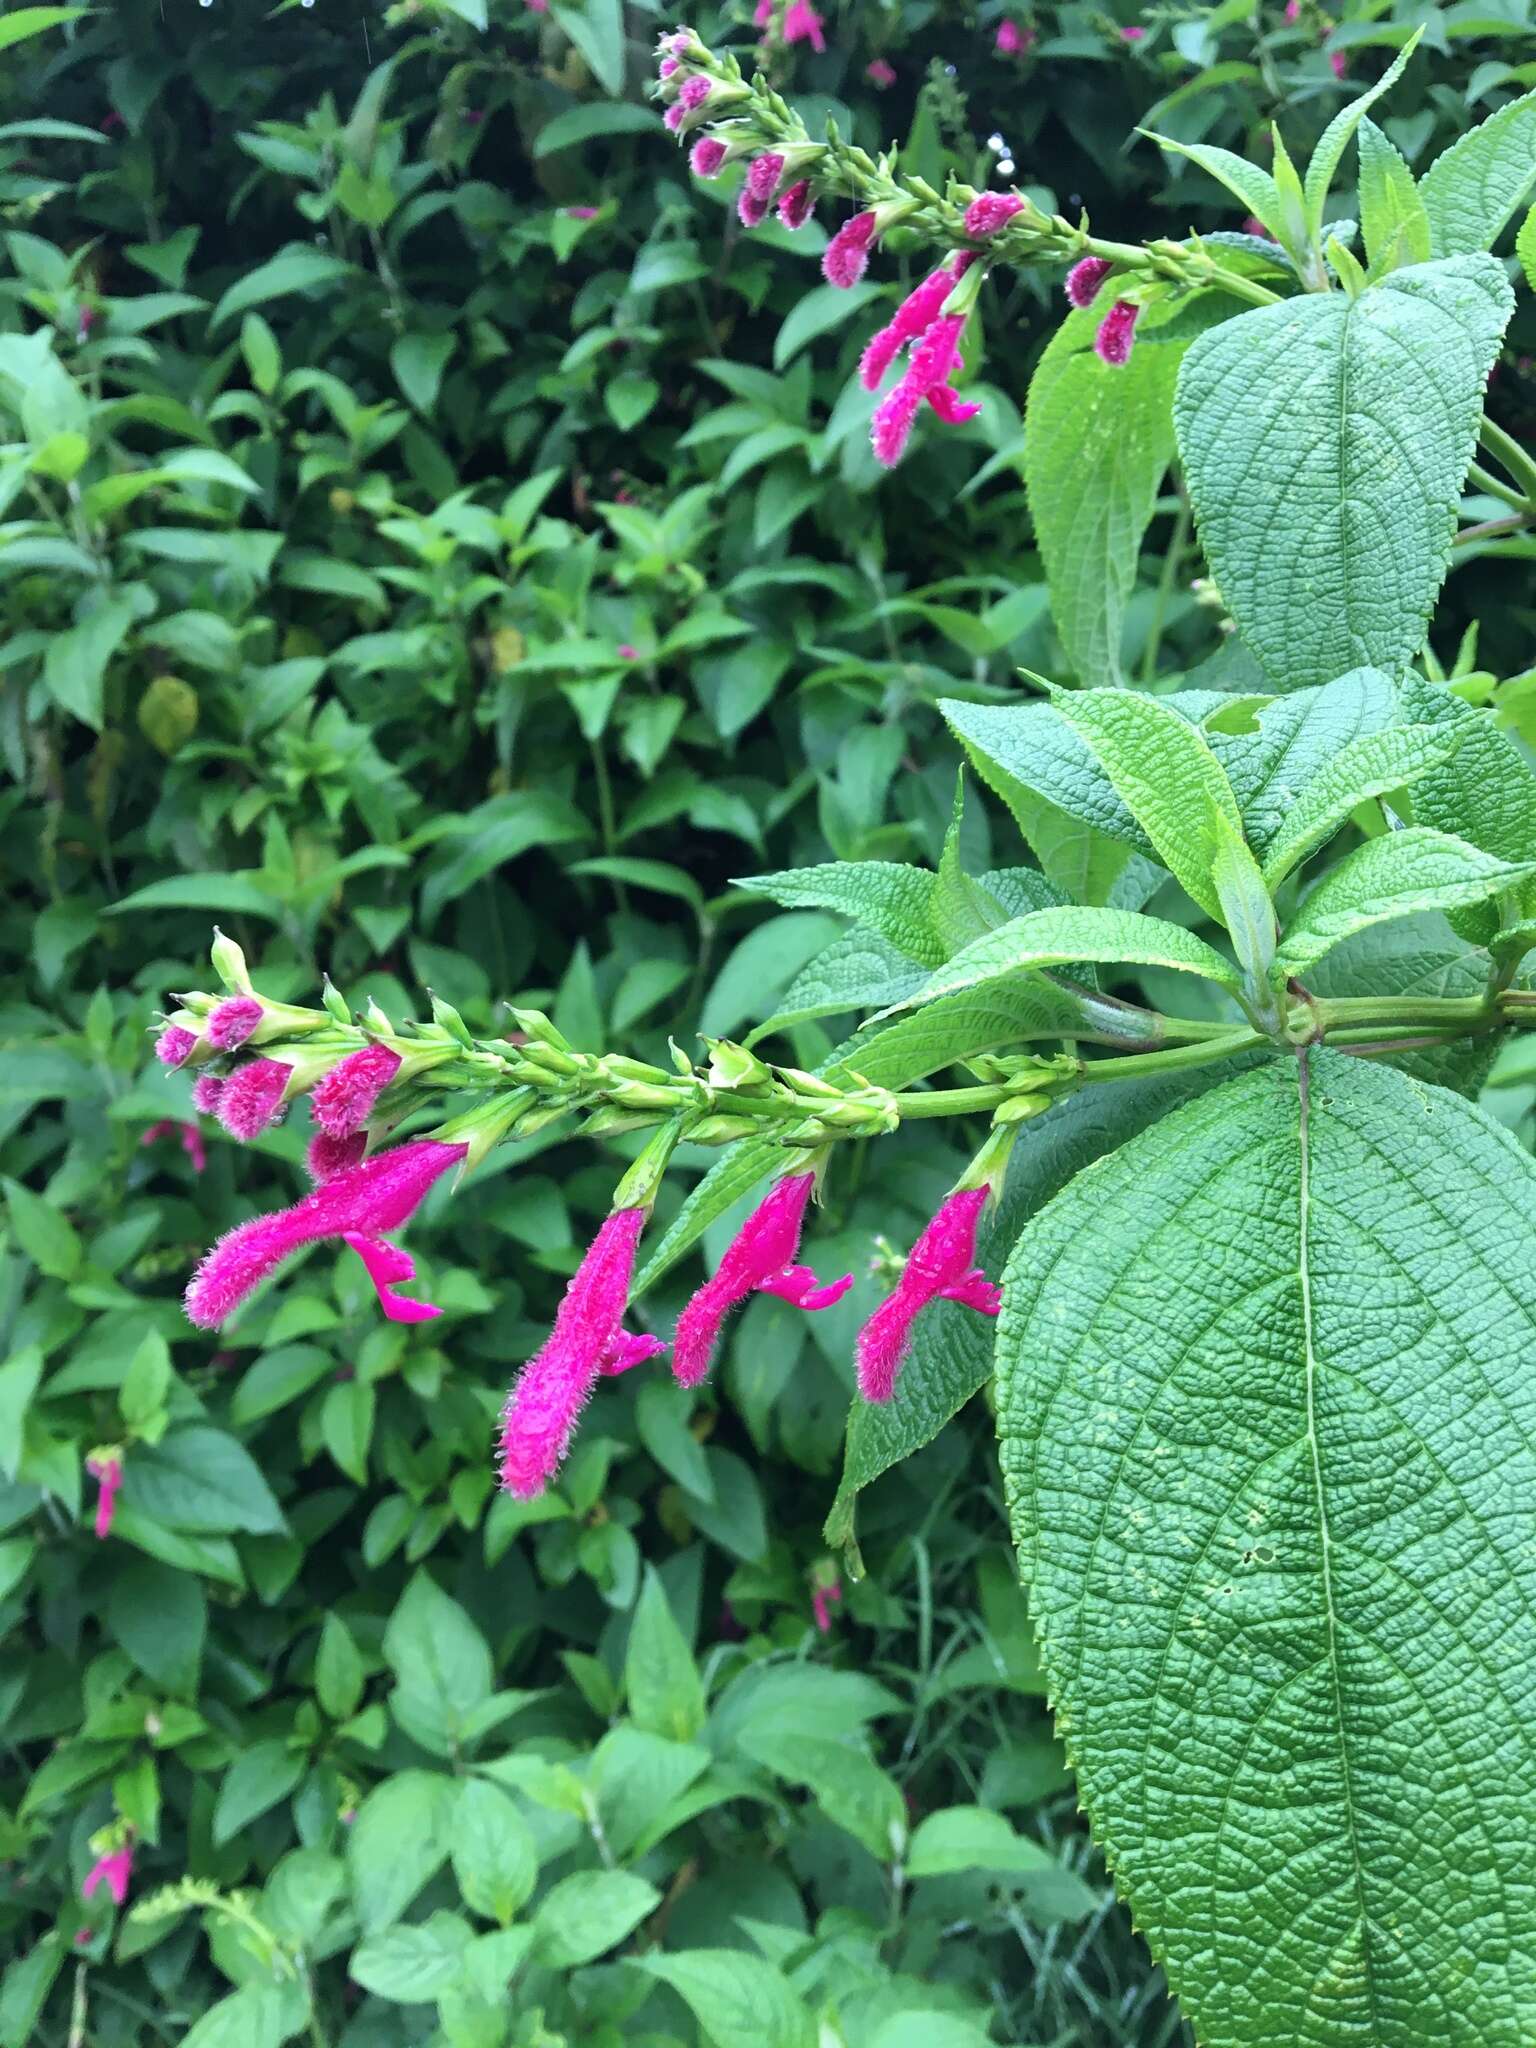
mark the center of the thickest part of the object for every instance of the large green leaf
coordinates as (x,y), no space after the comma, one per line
(1267,1432)
(1392,217)
(1325,441)
(1293,738)
(1097,442)
(1472,189)
(892,899)
(1368,767)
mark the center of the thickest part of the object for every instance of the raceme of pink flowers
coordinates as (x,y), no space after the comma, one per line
(934,360)
(342,1100)
(1085,278)
(252,1098)
(356,1204)
(1112,343)
(231,1022)
(942,1267)
(108,1474)
(113,1870)
(587,1341)
(759,1260)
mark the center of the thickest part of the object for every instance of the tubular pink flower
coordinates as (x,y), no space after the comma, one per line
(1338,64)
(802,24)
(942,1267)
(108,1474)
(846,257)
(797,204)
(756,194)
(989,211)
(1117,331)
(343,1099)
(1133,34)
(708,157)
(880,73)
(691,96)
(251,1098)
(1085,278)
(358,1202)
(933,359)
(759,1260)
(1011,40)
(1292,11)
(113,1870)
(911,320)
(666,67)
(950,407)
(588,1340)
(175,1045)
(823,1599)
(206,1090)
(327,1156)
(232,1022)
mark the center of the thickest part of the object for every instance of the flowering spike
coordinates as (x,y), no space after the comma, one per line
(989,211)
(1112,343)
(941,1267)
(588,1339)
(759,1259)
(250,1099)
(933,359)
(231,1022)
(846,256)
(1084,279)
(343,1099)
(175,1045)
(797,204)
(107,1470)
(113,1870)
(363,1200)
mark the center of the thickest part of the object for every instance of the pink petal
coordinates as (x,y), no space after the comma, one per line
(387,1265)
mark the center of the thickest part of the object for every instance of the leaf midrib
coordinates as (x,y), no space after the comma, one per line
(1314,1448)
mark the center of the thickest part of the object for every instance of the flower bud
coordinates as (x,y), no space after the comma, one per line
(229,964)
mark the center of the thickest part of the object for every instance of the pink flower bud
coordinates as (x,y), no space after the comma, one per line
(175,1045)
(1133,35)
(232,1022)
(252,1098)
(1085,278)
(1338,64)
(846,256)
(797,204)
(113,1870)
(1112,343)
(802,24)
(911,320)
(1011,40)
(666,67)
(756,195)
(206,1090)
(880,73)
(327,1156)
(588,1340)
(823,1599)
(108,1474)
(343,1099)
(708,157)
(989,211)
(941,1267)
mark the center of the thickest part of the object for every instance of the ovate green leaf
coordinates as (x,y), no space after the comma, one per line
(1472,189)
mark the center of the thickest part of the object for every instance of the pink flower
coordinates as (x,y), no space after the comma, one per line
(108,1474)
(666,67)
(191,1139)
(1012,41)
(1085,278)
(589,1339)
(823,1599)
(911,320)
(538,6)
(878,72)
(989,211)
(1254,226)
(756,195)
(695,91)
(579,212)
(1117,330)
(846,257)
(797,204)
(232,1022)
(758,1260)
(1292,11)
(1132,35)
(175,1045)
(251,1098)
(1338,63)
(627,652)
(942,1267)
(708,157)
(356,1204)
(343,1099)
(802,24)
(327,1156)
(206,1090)
(934,359)
(113,1870)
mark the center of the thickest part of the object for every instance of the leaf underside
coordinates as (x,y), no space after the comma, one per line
(1267,1428)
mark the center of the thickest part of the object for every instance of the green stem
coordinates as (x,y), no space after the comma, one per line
(1495,487)
(1176,1058)
(1437,1013)
(1504,448)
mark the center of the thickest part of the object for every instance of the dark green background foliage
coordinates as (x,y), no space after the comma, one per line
(439,584)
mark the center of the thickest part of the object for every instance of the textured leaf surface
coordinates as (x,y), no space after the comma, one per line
(1293,738)
(859,971)
(1053,938)
(1471,190)
(893,900)
(1164,772)
(1484,792)
(1267,1431)
(1417,956)
(1325,442)
(1368,767)
(1392,216)
(1415,869)
(1097,442)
